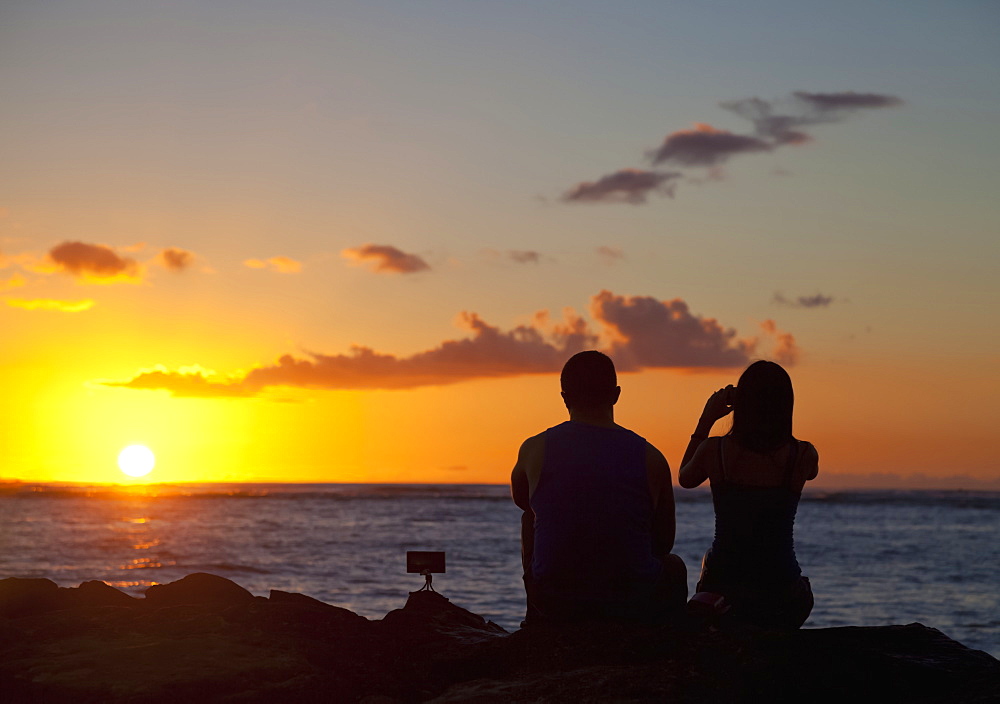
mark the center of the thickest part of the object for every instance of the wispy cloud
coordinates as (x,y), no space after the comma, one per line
(282,265)
(517,256)
(776,123)
(524,256)
(817,300)
(781,121)
(640,332)
(188,382)
(610,255)
(625,186)
(847,101)
(50,304)
(385,259)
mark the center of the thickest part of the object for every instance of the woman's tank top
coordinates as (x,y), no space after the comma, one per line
(753,543)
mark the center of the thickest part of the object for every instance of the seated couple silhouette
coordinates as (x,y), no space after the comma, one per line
(598,522)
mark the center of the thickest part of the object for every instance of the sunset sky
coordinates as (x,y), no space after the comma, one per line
(355,241)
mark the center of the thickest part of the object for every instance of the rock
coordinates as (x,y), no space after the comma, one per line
(292,598)
(21,596)
(197,588)
(205,638)
(605,662)
(431,617)
(96,593)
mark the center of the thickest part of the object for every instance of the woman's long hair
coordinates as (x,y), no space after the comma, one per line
(762,407)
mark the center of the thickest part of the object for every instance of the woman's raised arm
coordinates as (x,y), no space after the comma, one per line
(694,469)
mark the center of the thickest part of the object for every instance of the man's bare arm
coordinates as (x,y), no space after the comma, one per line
(523,480)
(527,470)
(662,490)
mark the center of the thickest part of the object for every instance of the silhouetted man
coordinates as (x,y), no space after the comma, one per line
(598,521)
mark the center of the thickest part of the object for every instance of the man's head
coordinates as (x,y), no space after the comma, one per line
(589,381)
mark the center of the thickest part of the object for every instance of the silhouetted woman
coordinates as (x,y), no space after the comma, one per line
(756,471)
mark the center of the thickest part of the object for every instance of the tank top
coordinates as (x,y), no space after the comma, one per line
(593,509)
(753,544)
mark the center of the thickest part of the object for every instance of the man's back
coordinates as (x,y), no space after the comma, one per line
(598,521)
(593,510)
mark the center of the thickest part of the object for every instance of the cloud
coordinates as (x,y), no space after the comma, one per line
(50,304)
(487,352)
(781,120)
(816,301)
(518,256)
(848,100)
(174,259)
(651,333)
(705,146)
(282,265)
(524,256)
(610,255)
(189,382)
(383,258)
(631,186)
(776,123)
(786,350)
(639,332)
(96,263)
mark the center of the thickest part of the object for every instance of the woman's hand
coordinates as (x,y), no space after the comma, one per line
(719,405)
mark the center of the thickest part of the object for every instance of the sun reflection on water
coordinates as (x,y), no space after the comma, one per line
(125,584)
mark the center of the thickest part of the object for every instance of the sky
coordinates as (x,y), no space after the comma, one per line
(355,241)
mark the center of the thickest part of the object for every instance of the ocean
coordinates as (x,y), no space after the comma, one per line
(874,557)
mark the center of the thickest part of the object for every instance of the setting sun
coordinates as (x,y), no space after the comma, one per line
(136,460)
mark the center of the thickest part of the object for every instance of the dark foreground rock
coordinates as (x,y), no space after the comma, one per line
(206,639)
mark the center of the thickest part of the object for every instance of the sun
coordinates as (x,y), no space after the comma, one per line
(136,460)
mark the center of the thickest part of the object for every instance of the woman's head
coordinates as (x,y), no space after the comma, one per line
(762,407)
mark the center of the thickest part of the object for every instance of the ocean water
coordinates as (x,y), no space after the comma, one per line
(874,557)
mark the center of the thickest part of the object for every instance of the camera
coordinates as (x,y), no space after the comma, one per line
(729,395)
(424,561)
(427,563)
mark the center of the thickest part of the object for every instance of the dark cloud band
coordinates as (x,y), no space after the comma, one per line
(643,333)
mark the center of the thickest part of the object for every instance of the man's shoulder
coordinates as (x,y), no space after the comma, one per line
(534,440)
(655,460)
(636,436)
(532,447)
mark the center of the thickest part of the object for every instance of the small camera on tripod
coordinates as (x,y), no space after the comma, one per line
(427,563)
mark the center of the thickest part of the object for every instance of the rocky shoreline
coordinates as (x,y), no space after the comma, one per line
(205,638)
